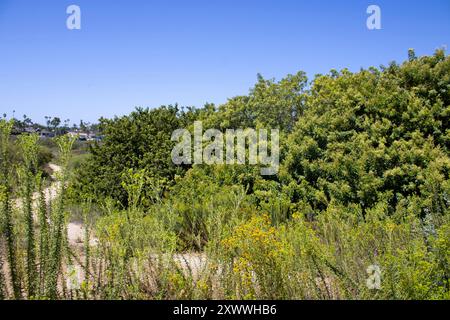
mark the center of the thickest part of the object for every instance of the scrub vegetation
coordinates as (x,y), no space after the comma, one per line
(363,181)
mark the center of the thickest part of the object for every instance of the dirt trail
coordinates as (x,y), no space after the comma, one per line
(75,230)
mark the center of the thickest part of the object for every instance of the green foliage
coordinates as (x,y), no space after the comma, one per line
(27,174)
(34,251)
(371,136)
(269,104)
(127,242)
(199,209)
(44,235)
(140,141)
(364,181)
(2,280)
(6,208)
(65,144)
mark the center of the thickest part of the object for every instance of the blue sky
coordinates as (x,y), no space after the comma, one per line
(148,53)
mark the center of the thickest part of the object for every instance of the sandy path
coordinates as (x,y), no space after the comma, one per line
(75,230)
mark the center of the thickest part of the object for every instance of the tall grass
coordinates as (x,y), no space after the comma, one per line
(58,218)
(2,281)
(33,231)
(27,174)
(43,220)
(8,230)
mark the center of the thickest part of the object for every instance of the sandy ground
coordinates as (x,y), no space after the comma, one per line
(75,230)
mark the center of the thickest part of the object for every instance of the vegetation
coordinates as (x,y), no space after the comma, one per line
(363,182)
(139,141)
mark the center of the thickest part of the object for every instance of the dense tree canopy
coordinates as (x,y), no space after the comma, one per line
(379,135)
(375,135)
(140,141)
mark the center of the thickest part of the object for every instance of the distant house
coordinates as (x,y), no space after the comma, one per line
(81,136)
(30,130)
(47,134)
(94,137)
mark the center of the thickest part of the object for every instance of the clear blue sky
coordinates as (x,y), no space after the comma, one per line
(147,53)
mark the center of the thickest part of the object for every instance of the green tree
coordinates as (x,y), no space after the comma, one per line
(376,135)
(139,141)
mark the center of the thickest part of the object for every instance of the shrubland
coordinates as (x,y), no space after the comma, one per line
(363,182)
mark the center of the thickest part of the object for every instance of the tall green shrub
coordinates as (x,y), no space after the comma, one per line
(8,224)
(27,174)
(65,144)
